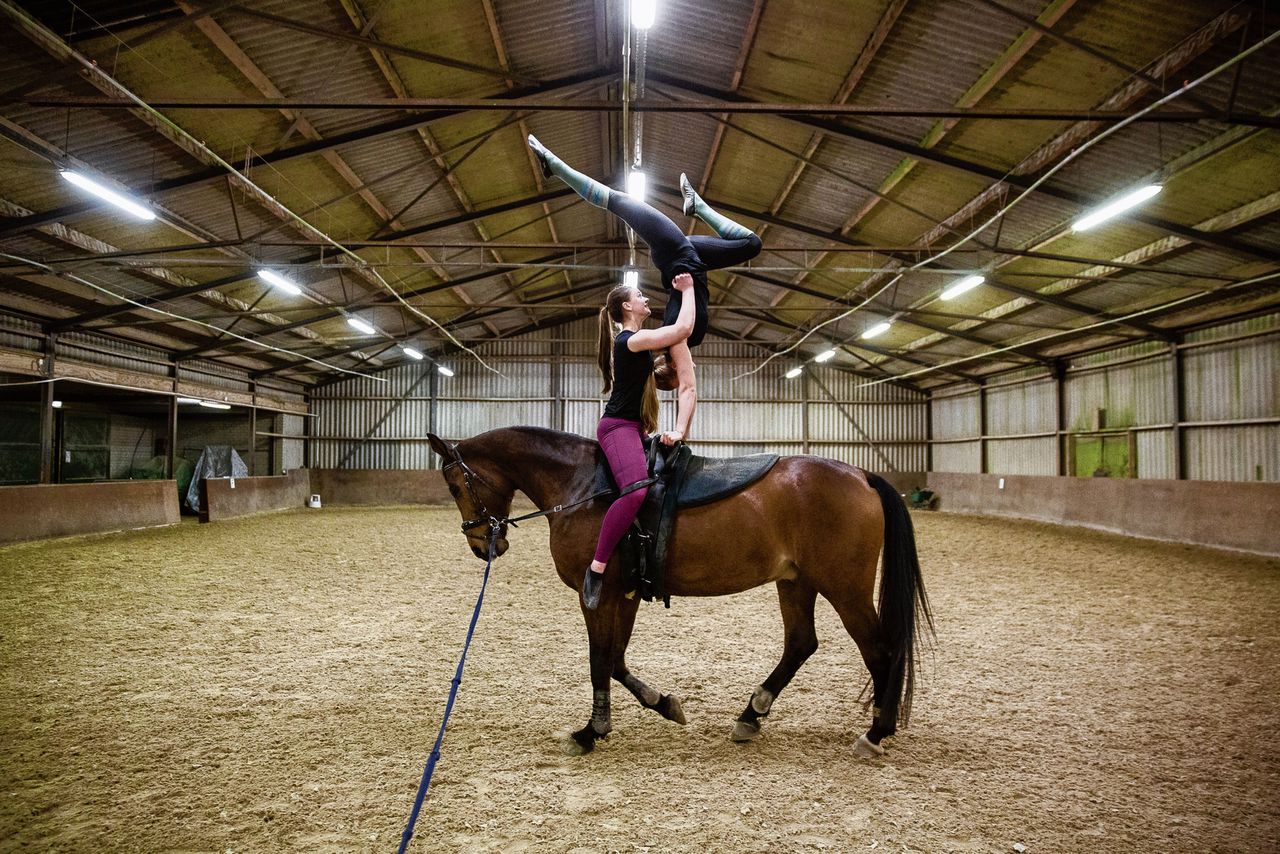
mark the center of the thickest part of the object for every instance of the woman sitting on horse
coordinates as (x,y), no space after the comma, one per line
(626,363)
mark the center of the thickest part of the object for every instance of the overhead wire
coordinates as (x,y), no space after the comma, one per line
(270,201)
(1172,96)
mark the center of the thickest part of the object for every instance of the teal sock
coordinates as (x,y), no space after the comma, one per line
(589,188)
(720,224)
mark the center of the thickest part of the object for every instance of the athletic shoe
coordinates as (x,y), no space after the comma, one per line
(592,584)
(690,197)
(541,151)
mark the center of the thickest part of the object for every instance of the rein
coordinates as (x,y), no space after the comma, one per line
(491,540)
(448,708)
(494,523)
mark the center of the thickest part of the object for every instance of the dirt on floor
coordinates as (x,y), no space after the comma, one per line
(276,683)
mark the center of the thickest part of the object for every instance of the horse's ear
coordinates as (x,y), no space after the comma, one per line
(441,447)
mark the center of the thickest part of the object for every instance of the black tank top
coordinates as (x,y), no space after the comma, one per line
(630,371)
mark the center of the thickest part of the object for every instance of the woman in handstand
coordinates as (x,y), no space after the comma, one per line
(672,253)
(626,363)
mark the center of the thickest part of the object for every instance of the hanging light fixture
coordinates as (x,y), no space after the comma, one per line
(636,182)
(278,281)
(825,356)
(412,353)
(361,325)
(631,278)
(794,372)
(116,197)
(444,370)
(879,329)
(1115,208)
(643,13)
(213,404)
(968,283)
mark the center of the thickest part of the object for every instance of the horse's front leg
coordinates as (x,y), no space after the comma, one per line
(667,705)
(606,647)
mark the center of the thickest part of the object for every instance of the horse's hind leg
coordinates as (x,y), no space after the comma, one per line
(667,705)
(863,624)
(801,641)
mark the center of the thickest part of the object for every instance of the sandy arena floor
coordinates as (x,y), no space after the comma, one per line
(275,683)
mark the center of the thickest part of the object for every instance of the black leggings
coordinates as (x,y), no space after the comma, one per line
(668,244)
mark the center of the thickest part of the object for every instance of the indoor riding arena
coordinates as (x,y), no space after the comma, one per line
(963,319)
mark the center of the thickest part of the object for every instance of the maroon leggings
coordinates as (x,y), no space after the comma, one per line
(621,440)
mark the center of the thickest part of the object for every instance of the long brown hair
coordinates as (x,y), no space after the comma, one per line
(611,313)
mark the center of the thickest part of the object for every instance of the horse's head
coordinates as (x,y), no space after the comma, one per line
(483,495)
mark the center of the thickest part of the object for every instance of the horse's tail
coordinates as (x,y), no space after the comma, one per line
(902,602)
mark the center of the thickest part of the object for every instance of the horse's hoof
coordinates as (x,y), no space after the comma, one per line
(743,731)
(671,708)
(866,750)
(571,747)
(581,742)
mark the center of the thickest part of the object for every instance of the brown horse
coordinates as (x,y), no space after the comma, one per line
(811,526)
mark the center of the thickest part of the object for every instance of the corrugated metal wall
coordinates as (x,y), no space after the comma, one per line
(550,379)
(1235,380)
(1229,375)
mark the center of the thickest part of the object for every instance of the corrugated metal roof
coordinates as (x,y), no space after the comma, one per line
(935,55)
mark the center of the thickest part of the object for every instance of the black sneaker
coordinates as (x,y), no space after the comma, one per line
(592,584)
(690,197)
(541,151)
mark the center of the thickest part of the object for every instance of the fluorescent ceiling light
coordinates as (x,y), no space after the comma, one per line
(631,278)
(643,12)
(120,200)
(636,185)
(1120,205)
(824,356)
(57,404)
(188,400)
(356,323)
(968,283)
(794,372)
(448,372)
(279,281)
(416,355)
(213,404)
(879,329)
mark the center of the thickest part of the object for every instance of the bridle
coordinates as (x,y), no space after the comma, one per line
(495,523)
(468,478)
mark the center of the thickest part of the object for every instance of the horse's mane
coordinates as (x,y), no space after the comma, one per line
(539,441)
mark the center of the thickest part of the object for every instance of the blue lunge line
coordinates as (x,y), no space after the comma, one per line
(453,692)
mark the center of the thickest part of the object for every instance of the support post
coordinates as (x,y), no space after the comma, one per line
(46,411)
(557,387)
(1178,390)
(253,428)
(1060,414)
(306,432)
(804,412)
(928,434)
(982,429)
(171,455)
(434,412)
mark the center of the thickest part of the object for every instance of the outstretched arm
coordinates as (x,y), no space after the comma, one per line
(666,336)
(686,393)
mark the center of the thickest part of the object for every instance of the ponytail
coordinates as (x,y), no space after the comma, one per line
(605,355)
(610,314)
(649,406)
